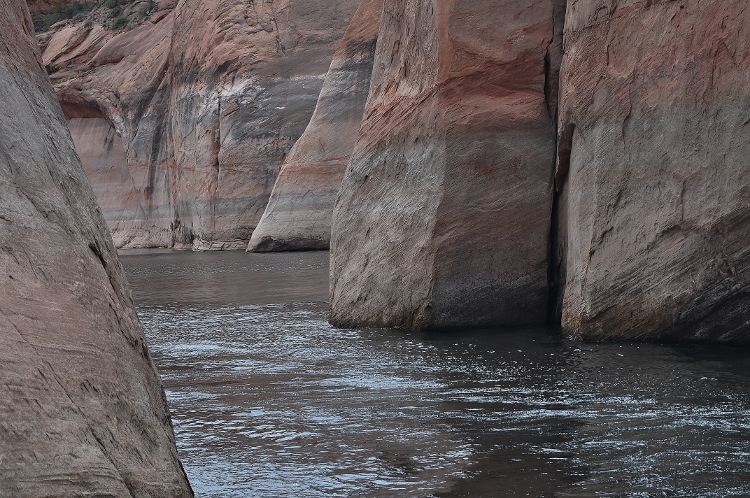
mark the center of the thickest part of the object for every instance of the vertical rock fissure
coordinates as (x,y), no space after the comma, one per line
(552,63)
(554,264)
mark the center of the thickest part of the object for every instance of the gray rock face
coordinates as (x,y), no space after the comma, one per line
(444,212)
(654,160)
(82,410)
(298,215)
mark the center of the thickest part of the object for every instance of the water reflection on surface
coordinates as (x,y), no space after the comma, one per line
(269,400)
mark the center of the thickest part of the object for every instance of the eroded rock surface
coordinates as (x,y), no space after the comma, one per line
(82,410)
(298,215)
(444,212)
(654,161)
(206,99)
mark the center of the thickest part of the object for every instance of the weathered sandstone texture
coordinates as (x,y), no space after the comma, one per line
(183,122)
(245,81)
(114,88)
(653,170)
(444,212)
(82,410)
(298,215)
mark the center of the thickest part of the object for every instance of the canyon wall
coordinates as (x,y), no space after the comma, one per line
(444,213)
(245,81)
(114,88)
(183,121)
(447,215)
(82,410)
(653,170)
(298,215)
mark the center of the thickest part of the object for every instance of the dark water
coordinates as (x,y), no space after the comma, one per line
(269,400)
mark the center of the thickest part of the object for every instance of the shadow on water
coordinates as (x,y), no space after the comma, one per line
(269,400)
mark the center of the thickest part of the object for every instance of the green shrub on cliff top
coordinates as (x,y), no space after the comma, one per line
(60,12)
(106,12)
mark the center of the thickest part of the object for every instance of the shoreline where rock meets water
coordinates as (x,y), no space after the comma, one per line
(466,198)
(516,163)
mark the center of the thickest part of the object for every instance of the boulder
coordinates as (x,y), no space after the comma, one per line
(82,409)
(654,217)
(444,212)
(298,215)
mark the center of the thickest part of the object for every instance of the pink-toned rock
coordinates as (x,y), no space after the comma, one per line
(444,212)
(246,77)
(298,215)
(653,168)
(82,410)
(206,98)
(114,88)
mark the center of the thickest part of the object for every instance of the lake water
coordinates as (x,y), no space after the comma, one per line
(269,400)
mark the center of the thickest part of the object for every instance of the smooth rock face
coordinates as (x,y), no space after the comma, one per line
(298,215)
(207,98)
(114,89)
(444,212)
(246,77)
(82,410)
(654,160)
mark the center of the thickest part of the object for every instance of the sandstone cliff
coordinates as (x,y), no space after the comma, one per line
(298,215)
(654,162)
(444,211)
(183,122)
(82,410)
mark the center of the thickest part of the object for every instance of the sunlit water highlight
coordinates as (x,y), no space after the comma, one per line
(268,399)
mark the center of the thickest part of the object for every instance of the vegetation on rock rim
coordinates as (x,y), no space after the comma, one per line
(112,13)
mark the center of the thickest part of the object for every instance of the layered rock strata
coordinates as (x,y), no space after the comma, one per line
(298,215)
(82,410)
(114,88)
(245,81)
(184,121)
(654,158)
(444,210)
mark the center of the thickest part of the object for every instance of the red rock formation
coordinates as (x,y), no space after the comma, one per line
(443,215)
(114,89)
(298,215)
(207,99)
(82,410)
(655,206)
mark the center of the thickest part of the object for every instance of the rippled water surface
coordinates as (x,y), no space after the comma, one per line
(269,400)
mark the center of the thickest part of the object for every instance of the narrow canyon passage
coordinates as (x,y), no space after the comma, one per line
(268,399)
